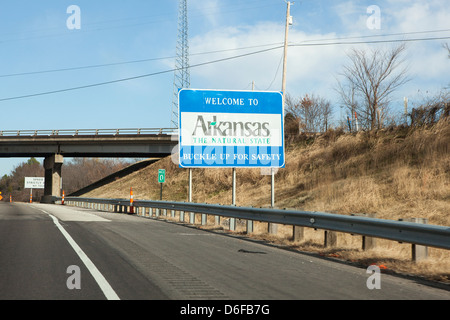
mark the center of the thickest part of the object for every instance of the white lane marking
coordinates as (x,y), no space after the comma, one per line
(108,291)
(71,213)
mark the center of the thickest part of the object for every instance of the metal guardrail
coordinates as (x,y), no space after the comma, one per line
(401,231)
(80,132)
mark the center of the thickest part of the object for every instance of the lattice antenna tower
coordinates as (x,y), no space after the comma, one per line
(182,74)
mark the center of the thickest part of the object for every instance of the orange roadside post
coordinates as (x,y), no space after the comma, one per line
(131,200)
(62,201)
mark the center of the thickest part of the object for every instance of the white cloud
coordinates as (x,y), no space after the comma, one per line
(237,73)
(428,61)
(417,15)
(314,69)
(310,69)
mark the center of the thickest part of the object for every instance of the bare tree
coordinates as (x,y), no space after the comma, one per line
(312,113)
(14,184)
(93,170)
(369,81)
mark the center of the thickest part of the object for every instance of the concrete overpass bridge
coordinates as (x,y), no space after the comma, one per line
(54,145)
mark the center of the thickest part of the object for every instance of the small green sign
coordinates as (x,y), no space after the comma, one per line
(161,175)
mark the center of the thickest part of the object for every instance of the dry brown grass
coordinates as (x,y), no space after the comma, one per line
(397,173)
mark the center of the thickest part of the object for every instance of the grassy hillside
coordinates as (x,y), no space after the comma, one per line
(397,173)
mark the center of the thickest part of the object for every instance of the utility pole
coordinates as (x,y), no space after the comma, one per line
(283,86)
(286,34)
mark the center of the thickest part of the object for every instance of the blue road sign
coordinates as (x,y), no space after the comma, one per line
(231,129)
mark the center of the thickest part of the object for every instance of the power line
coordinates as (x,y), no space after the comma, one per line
(380,35)
(125,62)
(82,67)
(368,42)
(304,43)
(135,77)
(216,61)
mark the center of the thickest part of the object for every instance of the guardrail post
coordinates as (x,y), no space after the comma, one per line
(367,242)
(181,216)
(330,239)
(419,252)
(232,224)
(249,226)
(298,233)
(192,218)
(272,228)
(204,219)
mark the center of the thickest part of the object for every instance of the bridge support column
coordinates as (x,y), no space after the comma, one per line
(52,188)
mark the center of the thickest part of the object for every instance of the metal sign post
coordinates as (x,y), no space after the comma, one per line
(190,185)
(34,183)
(161,180)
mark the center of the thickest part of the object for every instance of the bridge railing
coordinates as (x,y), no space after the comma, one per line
(90,132)
(401,231)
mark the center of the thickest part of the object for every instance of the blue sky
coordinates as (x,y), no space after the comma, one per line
(34,37)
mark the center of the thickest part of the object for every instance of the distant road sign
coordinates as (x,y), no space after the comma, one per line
(34,183)
(231,128)
(161,175)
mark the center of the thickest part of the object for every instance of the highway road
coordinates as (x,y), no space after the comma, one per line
(50,252)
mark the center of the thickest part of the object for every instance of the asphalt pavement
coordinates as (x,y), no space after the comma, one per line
(53,252)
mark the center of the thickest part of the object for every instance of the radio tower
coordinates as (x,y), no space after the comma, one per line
(182,76)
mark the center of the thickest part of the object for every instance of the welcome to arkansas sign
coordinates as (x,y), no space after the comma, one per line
(231,129)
